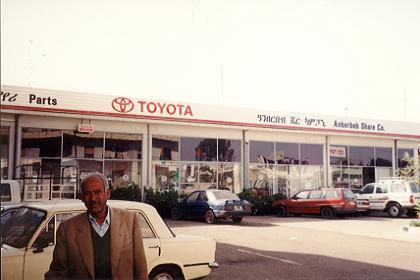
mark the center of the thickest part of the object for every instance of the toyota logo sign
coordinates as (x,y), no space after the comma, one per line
(122,105)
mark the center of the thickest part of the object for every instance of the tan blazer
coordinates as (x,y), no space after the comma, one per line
(73,252)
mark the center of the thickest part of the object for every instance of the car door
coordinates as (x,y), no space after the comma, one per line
(190,207)
(314,202)
(38,255)
(151,242)
(379,198)
(298,204)
(367,192)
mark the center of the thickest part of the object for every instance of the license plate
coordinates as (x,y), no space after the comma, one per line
(238,208)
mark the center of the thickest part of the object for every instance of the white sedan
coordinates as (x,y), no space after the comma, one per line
(28,239)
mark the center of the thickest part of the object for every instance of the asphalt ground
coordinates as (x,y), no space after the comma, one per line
(268,247)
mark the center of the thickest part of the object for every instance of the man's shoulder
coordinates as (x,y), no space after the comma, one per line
(76,219)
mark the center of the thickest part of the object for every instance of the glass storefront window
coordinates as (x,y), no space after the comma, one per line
(84,165)
(165,148)
(78,145)
(4,151)
(361,156)
(198,149)
(261,152)
(311,154)
(165,175)
(287,153)
(207,173)
(189,173)
(39,143)
(261,178)
(311,177)
(229,176)
(229,150)
(122,146)
(383,157)
(287,180)
(122,173)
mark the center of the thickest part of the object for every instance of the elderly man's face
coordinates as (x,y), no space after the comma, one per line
(94,196)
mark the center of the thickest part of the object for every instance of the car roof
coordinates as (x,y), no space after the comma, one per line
(76,204)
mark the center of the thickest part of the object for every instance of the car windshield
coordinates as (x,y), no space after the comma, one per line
(225,195)
(18,230)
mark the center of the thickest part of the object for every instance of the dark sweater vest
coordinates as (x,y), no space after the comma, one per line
(102,254)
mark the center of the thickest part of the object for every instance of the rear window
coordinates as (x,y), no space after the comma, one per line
(348,195)
(225,195)
(414,188)
(332,194)
(397,188)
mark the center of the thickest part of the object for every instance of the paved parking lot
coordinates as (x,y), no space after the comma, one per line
(269,247)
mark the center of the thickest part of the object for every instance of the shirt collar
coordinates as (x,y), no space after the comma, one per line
(107,219)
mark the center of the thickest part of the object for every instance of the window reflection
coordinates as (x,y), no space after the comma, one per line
(383,157)
(198,149)
(229,150)
(311,154)
(261,152)
(361,156)
(287,153)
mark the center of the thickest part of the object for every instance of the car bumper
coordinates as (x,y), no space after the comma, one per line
(226,214)
(342,210)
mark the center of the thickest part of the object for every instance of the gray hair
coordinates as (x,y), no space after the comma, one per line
(91,175)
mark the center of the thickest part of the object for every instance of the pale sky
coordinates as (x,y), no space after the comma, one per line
(345,58)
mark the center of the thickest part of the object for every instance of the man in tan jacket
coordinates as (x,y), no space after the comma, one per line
(102,243)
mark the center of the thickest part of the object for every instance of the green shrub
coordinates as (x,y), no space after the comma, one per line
(163,201)
(132,193)
(261,201)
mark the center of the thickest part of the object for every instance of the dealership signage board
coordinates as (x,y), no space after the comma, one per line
(42,100)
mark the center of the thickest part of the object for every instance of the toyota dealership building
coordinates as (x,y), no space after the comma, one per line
(185,146)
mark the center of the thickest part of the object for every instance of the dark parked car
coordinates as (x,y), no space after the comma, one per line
(325,202)
(212,205)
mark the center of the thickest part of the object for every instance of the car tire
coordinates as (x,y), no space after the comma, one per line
(411,213)
(175,215)
(281,211)
(209,217)
(237,220)
(165,273)
(327,213)
(394,210)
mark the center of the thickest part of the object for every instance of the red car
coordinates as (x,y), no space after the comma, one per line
(325,202)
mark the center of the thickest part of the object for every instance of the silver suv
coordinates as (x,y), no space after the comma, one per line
(393,195)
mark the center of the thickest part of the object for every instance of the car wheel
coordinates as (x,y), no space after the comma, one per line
(175,215)
(281,211)
(210,218)
(327,213)
(237,220)
(165,273)
(394,210)
(411,213)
